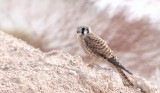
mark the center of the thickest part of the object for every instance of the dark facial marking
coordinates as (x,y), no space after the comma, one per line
(85,29)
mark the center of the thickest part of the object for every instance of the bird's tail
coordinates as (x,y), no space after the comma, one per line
(123,75)
(114,61)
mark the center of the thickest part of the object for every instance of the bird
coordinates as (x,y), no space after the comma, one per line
(97,48)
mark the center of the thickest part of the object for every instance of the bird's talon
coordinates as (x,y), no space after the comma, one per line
(90,65)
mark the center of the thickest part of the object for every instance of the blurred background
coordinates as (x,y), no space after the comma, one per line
(130,27)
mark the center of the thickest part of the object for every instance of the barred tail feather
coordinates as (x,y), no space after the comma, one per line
(124,76)
(114,61)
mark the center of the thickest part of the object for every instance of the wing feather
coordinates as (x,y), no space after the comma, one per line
(99,47)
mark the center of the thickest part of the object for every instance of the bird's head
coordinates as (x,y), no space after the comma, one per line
(83,30)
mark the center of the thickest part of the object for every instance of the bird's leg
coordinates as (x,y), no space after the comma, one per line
(92,63)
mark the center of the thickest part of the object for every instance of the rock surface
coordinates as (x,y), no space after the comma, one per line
(28,70)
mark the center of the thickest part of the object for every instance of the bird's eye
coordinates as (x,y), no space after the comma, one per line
(83,29)
(87,29)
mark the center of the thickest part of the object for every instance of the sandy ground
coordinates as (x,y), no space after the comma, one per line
(28,70)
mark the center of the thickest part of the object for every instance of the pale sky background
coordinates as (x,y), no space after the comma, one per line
(137,8)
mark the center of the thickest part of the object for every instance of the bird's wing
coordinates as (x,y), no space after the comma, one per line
(99,47)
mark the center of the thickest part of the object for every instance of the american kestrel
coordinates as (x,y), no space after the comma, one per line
(97,48)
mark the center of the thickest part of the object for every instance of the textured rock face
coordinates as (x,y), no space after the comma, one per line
(28,70)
